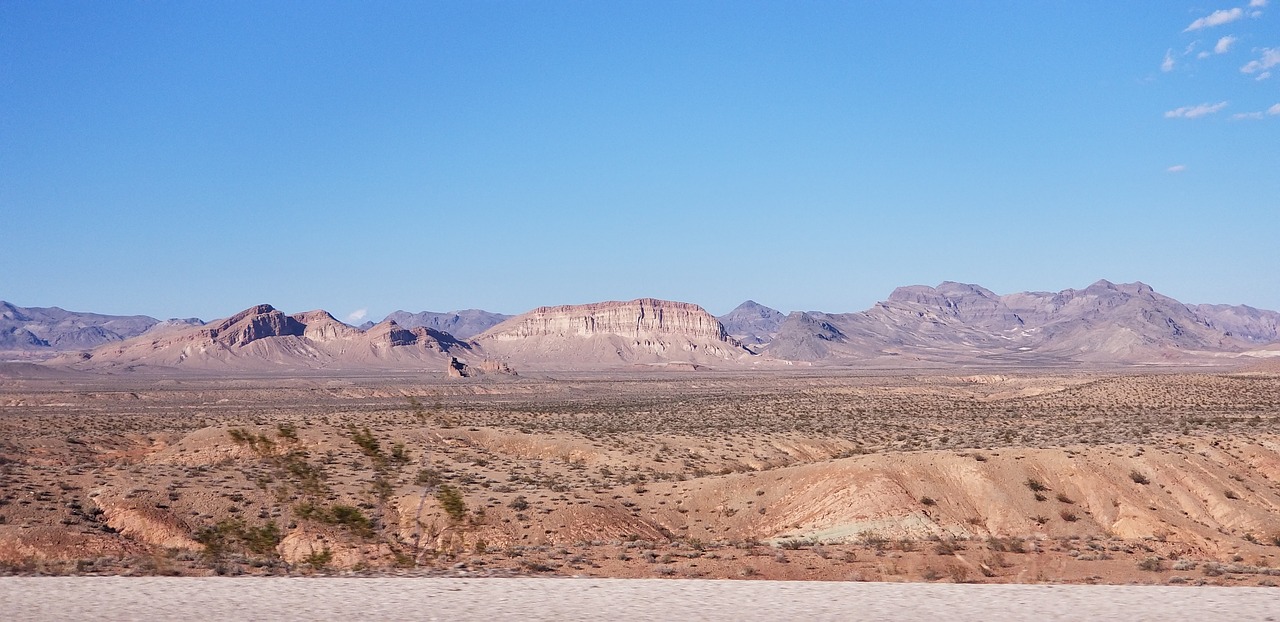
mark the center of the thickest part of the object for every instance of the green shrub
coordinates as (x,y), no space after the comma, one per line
(319,559)
(367,443)
(451,501)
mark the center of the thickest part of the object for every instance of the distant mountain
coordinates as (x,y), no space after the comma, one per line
(47,330)
(263,338)
(645,331)
(950,324)
(1243,322)
(463,324)
(959,323)
(752,322)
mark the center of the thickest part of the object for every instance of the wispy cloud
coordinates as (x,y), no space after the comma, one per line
(1257,115)
(1167,65)
(1216,18)
(1270,58)
(357,315)
(1224,45)
(1191,112)
(1177,168)
(1257,4)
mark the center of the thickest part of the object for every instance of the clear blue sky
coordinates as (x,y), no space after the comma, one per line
(194,158)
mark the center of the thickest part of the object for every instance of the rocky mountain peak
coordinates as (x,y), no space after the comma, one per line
(255,323)
(752,322)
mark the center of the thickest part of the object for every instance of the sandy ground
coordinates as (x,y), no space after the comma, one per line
(153,598)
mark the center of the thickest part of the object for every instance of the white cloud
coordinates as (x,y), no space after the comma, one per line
(1203,55)
(1270,58)
(1257,3)
(1216,18)
(357,315)
(1191,112)
(1167,65)
(1177,168)
(1256,116)
(1224,44)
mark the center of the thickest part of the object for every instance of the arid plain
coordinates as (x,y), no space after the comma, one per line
(1110,476)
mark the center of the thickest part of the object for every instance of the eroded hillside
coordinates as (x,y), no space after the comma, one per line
(989,477)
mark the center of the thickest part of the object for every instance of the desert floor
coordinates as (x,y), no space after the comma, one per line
(1111,477)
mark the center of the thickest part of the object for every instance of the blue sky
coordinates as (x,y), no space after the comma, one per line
(192,159)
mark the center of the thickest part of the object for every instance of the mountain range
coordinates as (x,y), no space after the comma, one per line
(951,324)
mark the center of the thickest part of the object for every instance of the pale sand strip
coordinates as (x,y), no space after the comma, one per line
(335,599)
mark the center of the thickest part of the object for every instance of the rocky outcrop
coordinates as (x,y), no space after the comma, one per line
(611,334)
(459,369)
(262,337)
(252,324)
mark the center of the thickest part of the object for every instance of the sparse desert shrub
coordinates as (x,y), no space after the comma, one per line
(1151,564)
(351,518)
(428,477)
(1063,498)
(1230,494)
(519,504)
(1138,478)
(346,516)
(872,539)
(793,544)
(1036,485)
(367,443)
(928,501)
(1069,516)
(319,559)
(286,431)
(1009,545)
(233,535)
(451,501)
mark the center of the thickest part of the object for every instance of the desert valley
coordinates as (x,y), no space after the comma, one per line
(1103,435)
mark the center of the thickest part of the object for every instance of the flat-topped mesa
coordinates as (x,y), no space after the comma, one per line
(644,316)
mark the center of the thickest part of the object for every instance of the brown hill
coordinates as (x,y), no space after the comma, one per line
(645,331)
(263,338)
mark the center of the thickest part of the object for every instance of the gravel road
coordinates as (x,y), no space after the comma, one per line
(190,599)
